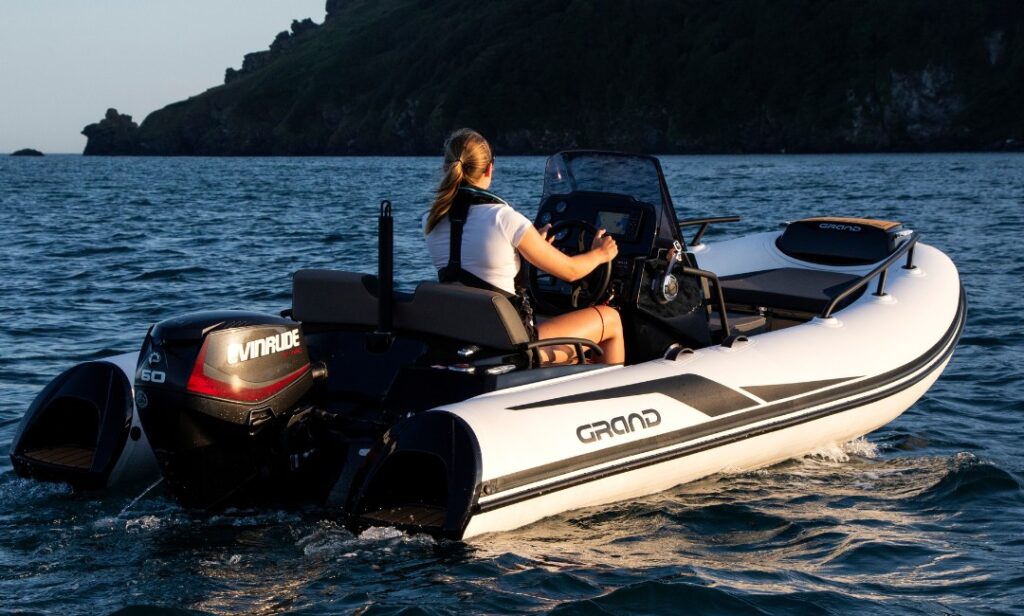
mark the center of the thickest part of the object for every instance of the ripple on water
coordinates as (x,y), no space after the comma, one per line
(171,273)
(144,609)
(652,597)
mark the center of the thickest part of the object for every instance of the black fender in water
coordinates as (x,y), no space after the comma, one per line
(423,476)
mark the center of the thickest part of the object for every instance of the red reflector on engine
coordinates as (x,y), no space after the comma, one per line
(236,389)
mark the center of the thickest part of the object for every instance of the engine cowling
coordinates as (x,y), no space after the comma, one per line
(215,391)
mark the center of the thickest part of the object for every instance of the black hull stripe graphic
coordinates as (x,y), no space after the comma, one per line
(707,396)
(771,393)
(923,366)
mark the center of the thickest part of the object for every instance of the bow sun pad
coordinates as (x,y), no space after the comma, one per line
(840,241)
(788,288)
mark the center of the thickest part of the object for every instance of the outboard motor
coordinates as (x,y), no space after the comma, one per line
(215,392)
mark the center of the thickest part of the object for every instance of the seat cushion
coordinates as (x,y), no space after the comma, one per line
(787,288)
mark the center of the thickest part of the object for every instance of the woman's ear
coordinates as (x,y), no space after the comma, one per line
(489,170)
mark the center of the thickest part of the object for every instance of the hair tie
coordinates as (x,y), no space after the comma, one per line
(457,160)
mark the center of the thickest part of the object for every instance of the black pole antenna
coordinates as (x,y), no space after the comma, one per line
(381,339)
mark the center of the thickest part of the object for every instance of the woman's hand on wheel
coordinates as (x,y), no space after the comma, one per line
(605,245)
(545,232)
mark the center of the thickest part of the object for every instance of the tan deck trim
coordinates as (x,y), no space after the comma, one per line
(73,456)
(884,225)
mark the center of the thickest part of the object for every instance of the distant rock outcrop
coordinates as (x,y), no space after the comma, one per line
(116,133)
(27,152)
(284,40)
(395,76)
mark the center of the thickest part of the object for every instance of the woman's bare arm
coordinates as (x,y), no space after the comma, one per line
(543,255)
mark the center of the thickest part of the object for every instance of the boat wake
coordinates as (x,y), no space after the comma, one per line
(842,452)
(330,541)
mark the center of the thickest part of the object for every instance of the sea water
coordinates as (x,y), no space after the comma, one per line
(923,516)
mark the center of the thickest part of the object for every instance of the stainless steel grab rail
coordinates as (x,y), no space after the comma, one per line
(882,271)
(535,346)
(704,224)
(722,316)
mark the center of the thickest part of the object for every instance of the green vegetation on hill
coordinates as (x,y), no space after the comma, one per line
(395,76)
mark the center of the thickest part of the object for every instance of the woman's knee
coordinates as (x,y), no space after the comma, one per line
(612,321)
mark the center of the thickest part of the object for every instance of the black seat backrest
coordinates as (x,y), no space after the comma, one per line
(328,296)
(475,316)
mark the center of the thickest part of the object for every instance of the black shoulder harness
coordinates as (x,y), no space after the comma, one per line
(465,198)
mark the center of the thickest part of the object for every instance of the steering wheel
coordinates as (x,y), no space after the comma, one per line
(586,291)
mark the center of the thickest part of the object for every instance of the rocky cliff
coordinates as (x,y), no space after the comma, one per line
(394,76)
(116,133)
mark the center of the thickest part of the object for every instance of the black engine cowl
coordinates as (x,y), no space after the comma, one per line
(215,391)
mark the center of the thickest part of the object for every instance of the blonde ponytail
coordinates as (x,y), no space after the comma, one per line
(466,157)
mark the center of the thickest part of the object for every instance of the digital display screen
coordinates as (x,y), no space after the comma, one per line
(616,223)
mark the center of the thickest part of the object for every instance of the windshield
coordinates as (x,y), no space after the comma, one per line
(624,174)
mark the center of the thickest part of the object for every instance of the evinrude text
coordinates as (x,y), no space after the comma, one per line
(239,352)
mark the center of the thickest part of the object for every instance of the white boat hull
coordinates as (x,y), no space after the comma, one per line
(624,432)
(736,457)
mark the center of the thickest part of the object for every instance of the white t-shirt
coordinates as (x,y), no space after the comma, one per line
(489,240)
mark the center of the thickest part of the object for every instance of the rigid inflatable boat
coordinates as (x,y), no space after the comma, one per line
(430,411)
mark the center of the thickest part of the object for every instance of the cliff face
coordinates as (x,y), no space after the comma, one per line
(334,8)
(395,76)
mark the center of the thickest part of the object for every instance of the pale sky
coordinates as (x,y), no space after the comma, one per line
(64,62)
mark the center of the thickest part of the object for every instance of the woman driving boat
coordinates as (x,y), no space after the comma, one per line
(476,238)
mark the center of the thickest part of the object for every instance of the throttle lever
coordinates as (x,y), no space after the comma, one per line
(667,289)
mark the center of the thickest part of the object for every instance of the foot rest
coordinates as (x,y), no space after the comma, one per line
(740,324)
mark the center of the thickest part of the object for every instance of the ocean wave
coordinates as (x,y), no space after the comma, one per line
(92,251)
(147,609)
(171,273)
(706,597)
(968,480)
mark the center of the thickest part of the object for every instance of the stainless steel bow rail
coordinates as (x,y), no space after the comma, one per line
(882,271)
